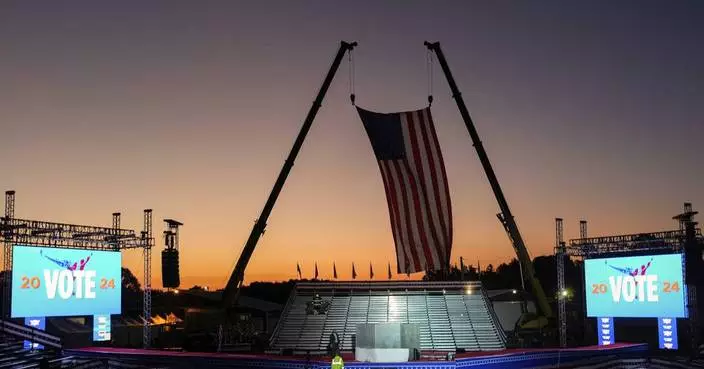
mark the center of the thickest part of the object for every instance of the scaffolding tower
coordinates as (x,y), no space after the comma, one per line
(561,296)
(16,231)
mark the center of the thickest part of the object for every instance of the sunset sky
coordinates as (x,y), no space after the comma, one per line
(588,110)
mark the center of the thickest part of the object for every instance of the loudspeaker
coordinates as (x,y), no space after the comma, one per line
(169,268)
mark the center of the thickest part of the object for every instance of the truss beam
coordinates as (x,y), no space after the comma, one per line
(50,234)
(656,241)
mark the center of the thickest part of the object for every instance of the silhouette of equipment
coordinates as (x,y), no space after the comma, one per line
(694,249)
(333,344)
(232,289)
(505,217)
(170,275)
(317,306)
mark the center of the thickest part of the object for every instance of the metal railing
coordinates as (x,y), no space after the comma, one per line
(31,334)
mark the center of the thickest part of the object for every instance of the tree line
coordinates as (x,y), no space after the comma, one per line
(504,276)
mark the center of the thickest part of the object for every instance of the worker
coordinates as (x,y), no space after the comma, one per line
(337,362)
(317,304)
(333,344)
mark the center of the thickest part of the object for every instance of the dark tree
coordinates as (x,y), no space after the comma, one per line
(131,292)
(277,292)
(129,281)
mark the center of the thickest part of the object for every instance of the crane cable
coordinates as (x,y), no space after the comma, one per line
(429,68)
(350,58)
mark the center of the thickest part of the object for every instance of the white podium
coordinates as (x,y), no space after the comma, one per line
(386,342)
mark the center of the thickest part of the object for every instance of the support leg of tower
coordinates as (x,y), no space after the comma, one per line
(147,286)
(560,258)
(7,253)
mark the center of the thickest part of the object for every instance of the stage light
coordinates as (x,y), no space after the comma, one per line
(514,292)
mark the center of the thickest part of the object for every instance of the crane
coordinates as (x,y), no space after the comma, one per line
(234,284)
(505,217)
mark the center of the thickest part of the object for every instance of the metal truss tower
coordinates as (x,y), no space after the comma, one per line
(115,226)
(7,252)
(147,288)
(561,292)
(582,281)
(688,227)
(73,236)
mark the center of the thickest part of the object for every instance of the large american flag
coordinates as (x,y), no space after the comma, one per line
(408,153)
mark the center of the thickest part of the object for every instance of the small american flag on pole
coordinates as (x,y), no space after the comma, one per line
(408,153)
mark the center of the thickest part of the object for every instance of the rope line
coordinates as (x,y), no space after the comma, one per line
(429,68)
(351,75)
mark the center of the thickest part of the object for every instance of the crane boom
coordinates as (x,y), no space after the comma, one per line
(505,217)
(232,289)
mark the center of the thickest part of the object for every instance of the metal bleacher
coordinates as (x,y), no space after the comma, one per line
(450,315)
(14,355)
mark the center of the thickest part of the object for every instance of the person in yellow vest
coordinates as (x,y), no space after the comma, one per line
(337,362)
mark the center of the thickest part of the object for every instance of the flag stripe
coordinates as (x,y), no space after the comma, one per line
(433,243)
(409,228)
(400,224)
(442,192)
(431,183)
(417,210)
(394,217)
(422,244)
(434,179)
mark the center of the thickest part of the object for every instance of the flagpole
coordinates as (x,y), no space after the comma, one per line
(232,289)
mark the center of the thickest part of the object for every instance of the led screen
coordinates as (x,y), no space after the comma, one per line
(635,287)
(101,328)
(49,281)
(36,323)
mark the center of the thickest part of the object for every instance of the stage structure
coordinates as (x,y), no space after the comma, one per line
(664,242)
(450,316)
(26,232)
